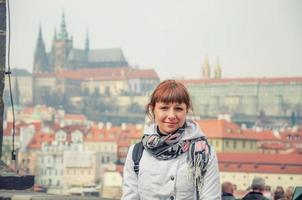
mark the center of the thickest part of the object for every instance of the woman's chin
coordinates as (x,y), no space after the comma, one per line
(169,131)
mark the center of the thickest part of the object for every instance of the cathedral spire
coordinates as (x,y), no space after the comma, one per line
(40,57)
(206,69)
(40,39)
(87,47)
(63,32)
(217,70)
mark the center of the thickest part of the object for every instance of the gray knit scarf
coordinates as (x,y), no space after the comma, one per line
(171,146)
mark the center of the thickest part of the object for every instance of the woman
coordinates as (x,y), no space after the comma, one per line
(177,162)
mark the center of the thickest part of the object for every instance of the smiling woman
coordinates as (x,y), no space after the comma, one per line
(169,106)
(177,162)
(169,116)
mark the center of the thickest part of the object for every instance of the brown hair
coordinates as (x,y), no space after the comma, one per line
(169,91)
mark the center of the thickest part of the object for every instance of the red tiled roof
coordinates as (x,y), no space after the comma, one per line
(132,132)
(94,73)
(38,138)
(294,159)
(28,110)
(291,137)
(102,135)
(142,73)
(261,163)
(124,143)
(9,126)
(243,80)
(275,145)
(267,135)
(75,117)
(214,128)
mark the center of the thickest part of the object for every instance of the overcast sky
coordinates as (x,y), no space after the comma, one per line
(252,38)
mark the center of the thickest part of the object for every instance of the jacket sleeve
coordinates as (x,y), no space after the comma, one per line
(130,180)
(212,188)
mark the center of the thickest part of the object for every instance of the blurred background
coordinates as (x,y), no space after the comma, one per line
(82,73)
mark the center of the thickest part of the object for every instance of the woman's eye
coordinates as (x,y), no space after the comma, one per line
(179,109)
(164,108)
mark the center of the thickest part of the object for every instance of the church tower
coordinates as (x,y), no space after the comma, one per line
(40,58)
(61,47)
(87,46)
(217,70)
(206,69)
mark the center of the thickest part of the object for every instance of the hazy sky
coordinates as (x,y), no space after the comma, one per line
(253,38)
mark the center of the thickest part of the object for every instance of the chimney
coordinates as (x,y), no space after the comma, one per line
(108,125)
(243,126)
(100,125)
(124,126)
(224,116)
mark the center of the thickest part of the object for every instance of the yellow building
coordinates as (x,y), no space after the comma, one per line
(226,136)
(276,169)
(81,168)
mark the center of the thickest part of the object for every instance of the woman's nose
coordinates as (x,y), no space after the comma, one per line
(171,114)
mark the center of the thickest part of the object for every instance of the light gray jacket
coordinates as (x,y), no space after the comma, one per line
(168,179)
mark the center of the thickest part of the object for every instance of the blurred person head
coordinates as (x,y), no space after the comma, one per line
(227,187)
(268,188)
(267,192)
(279,193)
(289,193)
(258,184)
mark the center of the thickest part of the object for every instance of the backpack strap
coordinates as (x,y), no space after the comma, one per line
(137,155)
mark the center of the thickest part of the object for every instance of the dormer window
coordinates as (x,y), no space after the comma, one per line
(289,137)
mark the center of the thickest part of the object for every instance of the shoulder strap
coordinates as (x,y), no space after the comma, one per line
(137,155)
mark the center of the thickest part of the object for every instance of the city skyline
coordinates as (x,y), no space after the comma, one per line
(251,38)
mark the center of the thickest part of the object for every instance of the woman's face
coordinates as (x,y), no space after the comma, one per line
(169,116)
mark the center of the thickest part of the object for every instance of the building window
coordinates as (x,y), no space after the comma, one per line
(243,144)
(235,144)
(227,143)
